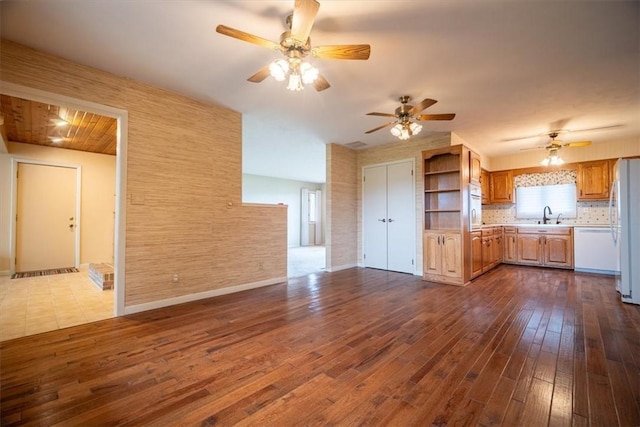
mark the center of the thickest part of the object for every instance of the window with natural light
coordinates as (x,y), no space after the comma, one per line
(562,199)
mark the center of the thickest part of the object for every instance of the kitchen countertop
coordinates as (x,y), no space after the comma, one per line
(548,225)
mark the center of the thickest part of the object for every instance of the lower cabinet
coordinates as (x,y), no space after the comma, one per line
(510,246)
(476,254)
(546,247)
(486,250)
(443,255)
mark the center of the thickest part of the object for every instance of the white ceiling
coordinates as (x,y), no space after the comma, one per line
(508,69)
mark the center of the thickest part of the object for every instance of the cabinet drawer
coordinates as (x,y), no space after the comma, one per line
(509,229)
(565,231)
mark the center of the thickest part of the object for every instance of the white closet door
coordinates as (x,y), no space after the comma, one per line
(388,217)
(400,220)
(374,206)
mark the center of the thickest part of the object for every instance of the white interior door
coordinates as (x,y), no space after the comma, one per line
(45,223)
(400,211)
(388,217)
(374,208)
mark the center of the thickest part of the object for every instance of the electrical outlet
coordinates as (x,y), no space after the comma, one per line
(176,278)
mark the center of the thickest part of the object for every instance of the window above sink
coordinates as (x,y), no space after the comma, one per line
(561,198)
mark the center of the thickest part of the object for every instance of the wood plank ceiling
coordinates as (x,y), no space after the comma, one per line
(31,122)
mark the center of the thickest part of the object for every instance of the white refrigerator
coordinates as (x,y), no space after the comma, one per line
(624,214)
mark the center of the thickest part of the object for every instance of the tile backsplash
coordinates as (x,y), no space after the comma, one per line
(588,213)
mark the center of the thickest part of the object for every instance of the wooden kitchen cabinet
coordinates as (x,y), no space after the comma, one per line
(545,247)
(476,254)
(510,246)
(558,251)
(485,186)
(446,239)
(497,248)
(474,168)
(501,190)
(529,249)
(594,180)
(443,258)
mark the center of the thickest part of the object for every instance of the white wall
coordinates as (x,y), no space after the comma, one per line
(97,199)
(263,189)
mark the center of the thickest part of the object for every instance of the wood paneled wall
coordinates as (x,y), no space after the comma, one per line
(341,201)
(400,150)
(184,167)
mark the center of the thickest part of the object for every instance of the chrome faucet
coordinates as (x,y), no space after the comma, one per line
(558,219)
(544,214)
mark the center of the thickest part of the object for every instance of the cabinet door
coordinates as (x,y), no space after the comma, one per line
(486,252)
(476,254)
(593,180)
(502,187)
(474,168)
(558,251)
(529,249)
(432,251)
(451,255)
(510,253)
(497,249)
(485,186)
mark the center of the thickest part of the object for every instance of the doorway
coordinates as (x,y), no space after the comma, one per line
(311,217)
(388,216)
(46,216)
(121,117)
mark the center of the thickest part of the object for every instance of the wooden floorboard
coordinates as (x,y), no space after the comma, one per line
(518,346)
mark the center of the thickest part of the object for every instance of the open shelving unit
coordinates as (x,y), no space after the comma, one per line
(442,191)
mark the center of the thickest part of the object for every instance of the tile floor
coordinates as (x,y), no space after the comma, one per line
(39,304)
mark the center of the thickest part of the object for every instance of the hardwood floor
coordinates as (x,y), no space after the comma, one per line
(519,346)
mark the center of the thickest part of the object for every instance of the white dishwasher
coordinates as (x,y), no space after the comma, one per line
(594,250)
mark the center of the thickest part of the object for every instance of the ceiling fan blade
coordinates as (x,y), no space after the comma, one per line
(381,114)
(577,144)
(449,116)
(425,103)
(304,13)
(246,37)
(533,148)
(380,127)
(345,51)
(262,74)
(320,83)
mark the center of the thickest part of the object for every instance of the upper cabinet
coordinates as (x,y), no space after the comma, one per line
(485,184)
(474,168)
(594,179)
(501,190)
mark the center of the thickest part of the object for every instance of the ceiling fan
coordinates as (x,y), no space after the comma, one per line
(554,146)
(406,117)
(295,45)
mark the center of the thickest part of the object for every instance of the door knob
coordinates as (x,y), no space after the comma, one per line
(390,220)
(71,219)
(70,225)
(383,220)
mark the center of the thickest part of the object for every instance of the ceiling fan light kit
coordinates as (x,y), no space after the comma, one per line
(405,130)
(552,159)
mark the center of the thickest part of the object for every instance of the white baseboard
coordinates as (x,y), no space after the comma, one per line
(131,309)
(341,267)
